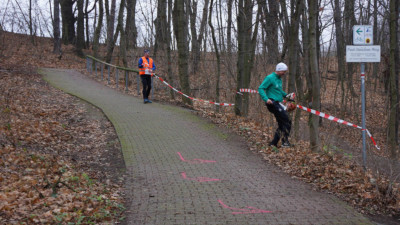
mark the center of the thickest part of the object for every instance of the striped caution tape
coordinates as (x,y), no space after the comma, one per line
(247,90)
(194,99)
(323,115)
(332,118)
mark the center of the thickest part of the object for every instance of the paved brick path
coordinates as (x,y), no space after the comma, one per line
(184,170)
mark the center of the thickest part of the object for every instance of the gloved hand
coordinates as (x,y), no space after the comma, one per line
(290,107)
(291,96)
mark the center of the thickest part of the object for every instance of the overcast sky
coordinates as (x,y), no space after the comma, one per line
(14,17)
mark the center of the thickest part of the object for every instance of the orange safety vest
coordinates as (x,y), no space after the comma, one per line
(147,65)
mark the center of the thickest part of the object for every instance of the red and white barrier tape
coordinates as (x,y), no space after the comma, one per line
(323,115)
(247,90)
(194,99)
(329,117)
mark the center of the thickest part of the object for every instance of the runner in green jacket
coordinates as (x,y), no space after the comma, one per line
(272,93)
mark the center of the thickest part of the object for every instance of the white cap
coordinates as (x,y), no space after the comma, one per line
(281,67)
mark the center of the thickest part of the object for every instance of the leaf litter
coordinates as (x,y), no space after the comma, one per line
(60,159)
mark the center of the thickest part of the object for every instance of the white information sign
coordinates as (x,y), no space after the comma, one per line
(363,35)
(356,53)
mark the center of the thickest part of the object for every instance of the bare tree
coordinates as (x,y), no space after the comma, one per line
(297,7)
(80,34)
(120,29)
(375,34)
(293,39)
(181,33)
(68,21)
(87,22)
(56,28)
(98,30)
(229,26)
(349,22)
(270,25)
(340,47)
(246,51)
(192,11)
(31,33)
(87,12)
(130,29)
(314,125)
(110,15)
(197,39)
(169,57)
(393,122)
(161,26)
(216,54)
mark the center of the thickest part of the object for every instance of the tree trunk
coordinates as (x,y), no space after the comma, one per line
(229,27)
(130,29)
(80,37)
(169,58)
(110,14)
(219,14)
(193,31)
(294,49)
(31,22)
(87,42)
(245,54)
(120,29)
(293,39)
(181,33)
(98,30)
(314,125)
(349,22)
(340,47)
(68,22)
(306,58)
(161,26)
(271,30)
(197,39)
(216,54)
(285,27)
(393,122)
(375,34)
(56,28)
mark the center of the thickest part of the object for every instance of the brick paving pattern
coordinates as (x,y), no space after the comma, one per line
(170,181)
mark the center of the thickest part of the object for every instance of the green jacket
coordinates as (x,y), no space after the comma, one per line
(271,88)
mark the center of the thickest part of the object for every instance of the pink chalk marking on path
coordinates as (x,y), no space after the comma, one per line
(195,161)
(199,179)
(249,209)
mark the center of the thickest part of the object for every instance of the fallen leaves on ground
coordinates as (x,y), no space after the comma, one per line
(53,165)
(38,188)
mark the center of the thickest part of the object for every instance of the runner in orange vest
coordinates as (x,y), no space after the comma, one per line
(146,69)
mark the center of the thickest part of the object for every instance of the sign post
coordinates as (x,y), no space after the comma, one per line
(364,152)
(363,51)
